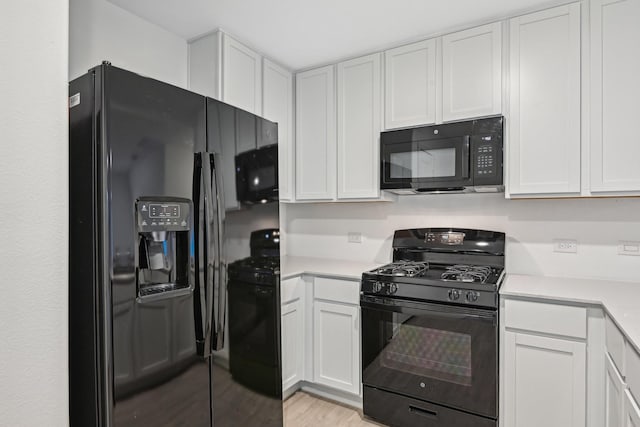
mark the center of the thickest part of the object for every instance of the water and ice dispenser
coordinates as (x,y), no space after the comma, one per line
(163,227)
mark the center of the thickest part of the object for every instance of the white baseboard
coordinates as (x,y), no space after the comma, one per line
(329,393)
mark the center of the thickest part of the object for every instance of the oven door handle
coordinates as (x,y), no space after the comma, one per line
(420,308)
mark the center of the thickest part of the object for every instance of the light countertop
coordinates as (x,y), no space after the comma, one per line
(291,266)
(621,300)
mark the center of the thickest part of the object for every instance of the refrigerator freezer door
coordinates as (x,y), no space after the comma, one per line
(153,131)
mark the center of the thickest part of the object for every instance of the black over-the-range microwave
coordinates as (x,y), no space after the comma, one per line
(447,158)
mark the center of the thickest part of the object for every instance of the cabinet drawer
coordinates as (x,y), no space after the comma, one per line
(632,359)
(291,290)
(344,291)
(546,318)
(615,345)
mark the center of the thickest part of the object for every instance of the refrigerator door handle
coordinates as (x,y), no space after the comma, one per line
(210,234)
(220,269)
(200,295)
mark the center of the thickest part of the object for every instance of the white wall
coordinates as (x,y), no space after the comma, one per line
(531,225)
(34,206)
(99,31)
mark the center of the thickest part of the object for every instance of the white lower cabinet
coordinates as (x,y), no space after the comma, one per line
(631,411)
(320,327)
(292,343)
(292,331)
(614,395)
(545,381)
(544,372)
(336,346)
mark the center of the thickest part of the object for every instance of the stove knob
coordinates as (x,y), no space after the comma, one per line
(472,296)
(454,294)
(377,286)
(393,288)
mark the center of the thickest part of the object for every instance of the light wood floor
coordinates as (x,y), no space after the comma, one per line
(305,410)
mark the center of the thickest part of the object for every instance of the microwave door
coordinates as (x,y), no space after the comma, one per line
(427,164)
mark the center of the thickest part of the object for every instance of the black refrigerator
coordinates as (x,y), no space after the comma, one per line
(166,188)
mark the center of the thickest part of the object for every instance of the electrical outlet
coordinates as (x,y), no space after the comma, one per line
(354,237)
(565,246)
(626,247)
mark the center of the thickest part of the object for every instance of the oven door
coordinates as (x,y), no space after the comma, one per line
(428,164)
(433,352)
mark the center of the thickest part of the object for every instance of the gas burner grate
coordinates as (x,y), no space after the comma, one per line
(467,273)
(403,269)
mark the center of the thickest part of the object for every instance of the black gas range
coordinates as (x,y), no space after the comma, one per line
(430,329)
(254,315)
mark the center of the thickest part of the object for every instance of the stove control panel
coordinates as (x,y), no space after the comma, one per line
(383,288)
(375,287)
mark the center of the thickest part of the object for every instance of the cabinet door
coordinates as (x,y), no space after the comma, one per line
(315,135)
(359,125)
(205,65)
(410,85)
(472,73)
(631,411)
(544,127)
(615,67)
(336,346)
(292,343)
(545,381)
(614,395)
(277,106)
(241,76)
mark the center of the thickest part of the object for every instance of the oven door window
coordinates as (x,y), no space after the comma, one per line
(425,163)
(428,352)
(432,352)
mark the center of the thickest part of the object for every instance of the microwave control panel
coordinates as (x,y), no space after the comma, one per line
(487,160)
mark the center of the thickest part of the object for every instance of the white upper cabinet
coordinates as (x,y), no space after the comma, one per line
(359,125)
(205,69)
(410,85)
(241,76)
(472,73)
(277,106)
(316,135)
(544,105)
(615,91)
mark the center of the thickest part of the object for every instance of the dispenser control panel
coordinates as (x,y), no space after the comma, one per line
(157,214)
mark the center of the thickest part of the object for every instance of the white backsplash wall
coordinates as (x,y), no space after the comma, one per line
(320,230)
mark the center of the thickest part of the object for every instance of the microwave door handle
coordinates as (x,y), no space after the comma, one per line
(220,283)
(199,236)
(466,156)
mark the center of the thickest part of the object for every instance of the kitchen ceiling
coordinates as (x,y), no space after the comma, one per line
(303,33)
